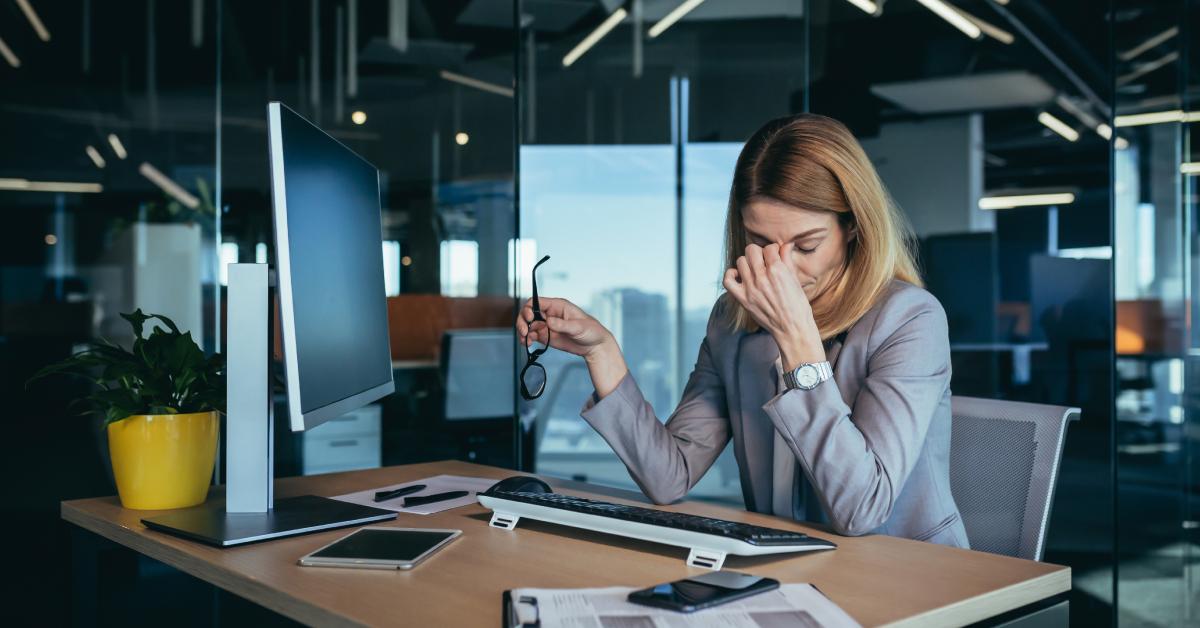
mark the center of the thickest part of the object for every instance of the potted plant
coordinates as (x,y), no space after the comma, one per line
(160,402)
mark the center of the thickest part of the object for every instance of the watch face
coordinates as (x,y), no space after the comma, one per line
(807,376)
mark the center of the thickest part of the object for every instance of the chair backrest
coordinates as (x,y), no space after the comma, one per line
(1004,459)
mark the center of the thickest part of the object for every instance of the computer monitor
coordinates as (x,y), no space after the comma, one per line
(471,359)
(332,301)
(333,319)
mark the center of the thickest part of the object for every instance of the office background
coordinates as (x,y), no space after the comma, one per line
(133,168)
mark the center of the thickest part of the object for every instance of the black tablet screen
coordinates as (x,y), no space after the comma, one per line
(399,545)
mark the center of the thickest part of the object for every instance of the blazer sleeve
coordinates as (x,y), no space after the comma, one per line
(667,460)
(858,458)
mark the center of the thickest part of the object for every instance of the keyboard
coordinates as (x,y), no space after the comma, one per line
(709,539)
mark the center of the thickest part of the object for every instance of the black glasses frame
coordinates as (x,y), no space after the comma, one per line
(531,356)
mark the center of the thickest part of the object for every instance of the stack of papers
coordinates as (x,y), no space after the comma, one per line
(791,605)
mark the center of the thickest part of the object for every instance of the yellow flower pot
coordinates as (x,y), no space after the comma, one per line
(163,461)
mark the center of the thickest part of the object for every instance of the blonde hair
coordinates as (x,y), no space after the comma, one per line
(813,162)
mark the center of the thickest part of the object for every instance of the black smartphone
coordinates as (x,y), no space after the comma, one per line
(706,591)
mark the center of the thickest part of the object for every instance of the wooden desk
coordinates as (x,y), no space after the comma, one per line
(877,579)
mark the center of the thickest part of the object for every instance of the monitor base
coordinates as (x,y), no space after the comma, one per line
(209,523)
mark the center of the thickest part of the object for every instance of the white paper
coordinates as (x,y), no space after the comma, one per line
(435,484)
(790,606)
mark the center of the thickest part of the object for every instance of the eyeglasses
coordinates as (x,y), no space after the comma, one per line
(533,376)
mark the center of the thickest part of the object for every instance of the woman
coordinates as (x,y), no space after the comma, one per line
(825,361)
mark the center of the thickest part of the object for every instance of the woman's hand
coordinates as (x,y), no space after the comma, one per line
(764,283)
(568,328)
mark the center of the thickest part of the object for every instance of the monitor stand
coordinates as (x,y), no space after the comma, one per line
(212,524)
(250,512)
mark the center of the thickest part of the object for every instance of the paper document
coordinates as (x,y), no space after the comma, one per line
(791,606)
(435,484)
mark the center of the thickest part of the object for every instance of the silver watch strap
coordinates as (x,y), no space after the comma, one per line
(824,372)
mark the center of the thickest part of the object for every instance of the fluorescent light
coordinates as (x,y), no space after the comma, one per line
(1157,117)
(989,29)
(117,146)
(1192,168)
(359,117)
(25,185)
(950,14)
(1080,112)
(476,83)
(34,20)
(8,55)
(167,185)
(678,12)
(594,37)
(1147,68)
(1026,200)
(1058,126)
(95,155)
(1129,55)
(865,5)
(1105,131)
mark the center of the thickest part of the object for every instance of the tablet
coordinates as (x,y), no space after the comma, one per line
(381,548)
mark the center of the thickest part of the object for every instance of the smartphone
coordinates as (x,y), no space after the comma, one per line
(381,548)
(706,591)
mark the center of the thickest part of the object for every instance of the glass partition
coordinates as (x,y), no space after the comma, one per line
(423,90)
(630,127)
(108,187)
(1154,217)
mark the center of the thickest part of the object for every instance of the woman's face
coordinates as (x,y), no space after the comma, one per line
(821,242)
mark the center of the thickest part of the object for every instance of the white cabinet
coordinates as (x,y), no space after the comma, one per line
(351,441)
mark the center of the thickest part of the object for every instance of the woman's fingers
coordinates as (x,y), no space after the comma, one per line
(733,285)
(754,259)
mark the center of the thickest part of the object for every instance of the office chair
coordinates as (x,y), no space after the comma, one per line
(1004,458)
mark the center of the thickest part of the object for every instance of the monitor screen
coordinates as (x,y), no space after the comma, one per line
(478,369)
(328,240)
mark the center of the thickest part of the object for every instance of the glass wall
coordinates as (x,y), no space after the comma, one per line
(960,116)
(108,187)
(1154,216)
(424,91)
(627,149)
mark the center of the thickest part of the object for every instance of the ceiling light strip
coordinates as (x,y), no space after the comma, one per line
(1147,68)
(117,146)
(34,20)
(593,37)
(1058,126)
(8,55)
(462,79)
(1156,117)
(165,184)
(1026,200)
(1190,168)
(866,5)
(95,155)
(676,14)
(25,185)
(989,29)
(1131,54)
(952,15)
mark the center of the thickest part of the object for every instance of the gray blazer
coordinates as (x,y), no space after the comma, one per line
(873,443)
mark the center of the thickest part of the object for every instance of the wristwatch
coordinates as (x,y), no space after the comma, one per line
(807,376)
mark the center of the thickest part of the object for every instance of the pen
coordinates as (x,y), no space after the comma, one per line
(383,496)
(429,499)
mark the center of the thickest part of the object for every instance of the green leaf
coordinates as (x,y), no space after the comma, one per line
(137,321)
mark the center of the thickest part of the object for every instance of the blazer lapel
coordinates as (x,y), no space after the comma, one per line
(757,377)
